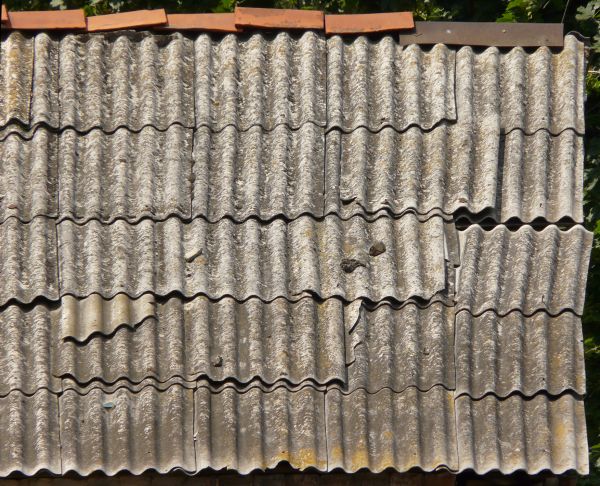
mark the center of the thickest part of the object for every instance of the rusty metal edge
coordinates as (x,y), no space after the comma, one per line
(485,34)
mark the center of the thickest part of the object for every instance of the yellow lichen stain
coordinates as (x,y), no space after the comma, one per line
(302,459)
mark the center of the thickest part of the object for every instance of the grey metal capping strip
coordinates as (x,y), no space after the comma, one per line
(485,34)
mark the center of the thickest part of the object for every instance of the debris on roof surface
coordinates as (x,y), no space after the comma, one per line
(240,247)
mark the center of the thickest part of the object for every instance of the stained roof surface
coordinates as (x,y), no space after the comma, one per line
(233,250)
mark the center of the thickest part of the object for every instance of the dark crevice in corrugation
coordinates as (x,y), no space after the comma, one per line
(514,224)
(424,129)
(524,396)
(518,311)
(104,335)
(553,134)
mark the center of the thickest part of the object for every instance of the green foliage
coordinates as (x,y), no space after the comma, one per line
(580,15)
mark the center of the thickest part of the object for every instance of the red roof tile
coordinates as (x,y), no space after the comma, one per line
(273,18)
(4,14)
(47,20)
(215,22)
(368,23)
(127,20)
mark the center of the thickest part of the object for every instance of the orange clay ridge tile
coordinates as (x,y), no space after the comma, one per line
(210,22)
(4,17)
(273,18)
(368,23)
(127,20)
(47,20)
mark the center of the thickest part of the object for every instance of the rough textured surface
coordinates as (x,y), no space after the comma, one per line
(127,431)
(28,176)
(525,270)
(272,260)
(16,75)
(30,433)
(533,434)
(374,84)
(128,80)
(501,355)
(258,173)
(455,168)
(28,263)
(391,430)
(400,348)
(223,340)
(258,430)
(126,175)
(27,350)
(94,315)
(260,80)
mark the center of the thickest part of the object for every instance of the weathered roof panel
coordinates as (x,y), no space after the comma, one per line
(326,258)
(453,168)
(127,175)
(260,80)
(533,434)
(28,260)
(28,176)
(501,355)
(125,431)
(222,340)
(374,84)
(258,173)
(258,430)
(525,270)
(30,434)
(391,430)
(16,75)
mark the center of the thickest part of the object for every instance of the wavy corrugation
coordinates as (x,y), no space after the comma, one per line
(94,315)
(28,176)
(258,173)
(535,434)
(412,429)
(501,355)
(28,263)
(125,175)
(219,340)
(30,434)
(464,166)
(124,383)
(27,342)
(525,270)
(326,258)
(374,84)
(128,80)
(258,430)
(260,80)
(125,431)
(528,91)
(399,348)
(16,75)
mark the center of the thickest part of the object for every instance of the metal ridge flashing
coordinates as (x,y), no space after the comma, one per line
(47,20)
(485,34)
(368,23)
(127,20)
(274,18)
(209,22)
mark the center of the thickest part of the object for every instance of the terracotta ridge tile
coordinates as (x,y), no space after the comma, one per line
(47,20)
(4,17)
(127,20)
(368,23)
(279,18)
(210,22)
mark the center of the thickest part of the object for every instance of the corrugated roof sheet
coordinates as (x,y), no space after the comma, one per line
(126,175)
(258,173)
(16,75)
(29,176)
(127,431)
(501,355)
(534,434)
(28,260)
(374,84)
(31,440)
(326,258)
(525,270)
(455,168)
(391,430)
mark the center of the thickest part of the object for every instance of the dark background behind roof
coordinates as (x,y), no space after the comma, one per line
(579,15)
